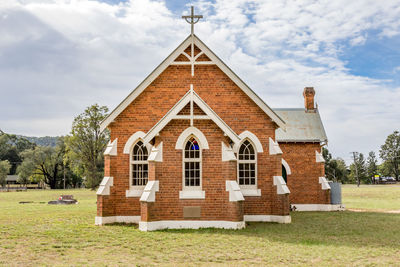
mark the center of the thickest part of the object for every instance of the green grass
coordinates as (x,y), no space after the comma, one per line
(41,234)
(372,197)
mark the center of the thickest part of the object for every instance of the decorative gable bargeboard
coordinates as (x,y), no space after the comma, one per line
(193,146)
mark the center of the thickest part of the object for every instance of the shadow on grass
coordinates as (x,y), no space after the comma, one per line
(353,229)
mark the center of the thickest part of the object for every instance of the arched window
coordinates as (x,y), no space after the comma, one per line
(139,165)
(284,173)
(192,164)
(247,165)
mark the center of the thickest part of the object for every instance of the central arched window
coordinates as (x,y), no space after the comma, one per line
(192,164)
(247,165)
(139,163)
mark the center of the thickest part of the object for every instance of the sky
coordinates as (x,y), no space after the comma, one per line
(59,56)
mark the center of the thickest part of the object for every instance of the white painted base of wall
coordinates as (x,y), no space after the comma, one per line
(116,219)
(268,218)
(158,225)
(317,207)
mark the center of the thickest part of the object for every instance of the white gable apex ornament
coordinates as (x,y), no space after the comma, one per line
(170,61)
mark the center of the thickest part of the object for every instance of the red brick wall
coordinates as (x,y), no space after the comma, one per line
(304,183)
(232,105)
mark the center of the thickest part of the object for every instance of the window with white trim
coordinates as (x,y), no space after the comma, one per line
(247,165)
(139,165)
(192,164)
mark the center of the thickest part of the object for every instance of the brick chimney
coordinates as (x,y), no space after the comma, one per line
(309,94)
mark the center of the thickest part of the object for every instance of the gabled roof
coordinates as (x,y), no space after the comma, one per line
(170,59)
(173,112)
(301,126)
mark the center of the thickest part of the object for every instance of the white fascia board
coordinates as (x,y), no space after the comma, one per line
(253,96)
(146,82)
(268,218)
(111,148)
(159,225)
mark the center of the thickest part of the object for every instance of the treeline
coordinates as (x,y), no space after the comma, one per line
(363,169)
(75,160)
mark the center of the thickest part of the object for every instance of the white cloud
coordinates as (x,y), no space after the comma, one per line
(57,57)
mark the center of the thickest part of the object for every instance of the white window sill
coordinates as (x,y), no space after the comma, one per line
(134,192)
(192,194)
(251,192)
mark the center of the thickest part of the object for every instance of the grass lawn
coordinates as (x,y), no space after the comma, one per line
(372,197)
(41,234)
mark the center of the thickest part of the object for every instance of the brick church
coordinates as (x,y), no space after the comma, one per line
(193,146)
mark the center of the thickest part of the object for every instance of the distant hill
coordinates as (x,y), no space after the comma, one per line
(42,141)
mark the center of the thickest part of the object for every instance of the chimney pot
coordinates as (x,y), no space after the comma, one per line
(309,94)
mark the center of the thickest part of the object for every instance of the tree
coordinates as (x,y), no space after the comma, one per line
(335,169)
(5,167)
(86,145)
(372,165)
(390,152)
(358,171)
(43,161)
(11,147)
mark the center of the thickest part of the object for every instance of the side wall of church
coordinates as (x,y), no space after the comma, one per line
(303,182)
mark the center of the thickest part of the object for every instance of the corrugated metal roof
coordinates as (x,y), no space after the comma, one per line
(301,126)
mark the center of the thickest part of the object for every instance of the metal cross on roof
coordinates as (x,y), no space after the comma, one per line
(192,19)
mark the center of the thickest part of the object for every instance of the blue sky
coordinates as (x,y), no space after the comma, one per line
(59,56)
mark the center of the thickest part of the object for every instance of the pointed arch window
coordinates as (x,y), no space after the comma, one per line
(192,164)
(247,165)
(139,165)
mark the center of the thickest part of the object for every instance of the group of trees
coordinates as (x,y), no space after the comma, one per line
(75,160)
(362,170)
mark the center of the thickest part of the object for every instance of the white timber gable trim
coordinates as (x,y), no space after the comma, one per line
(274,148)
(287,167)
(253,138)
(132,140)
(170,60)
(324,183)
(104,188)
(227,153)
(183,137)
(149,192)
(319,157)
(281,186)
(156,153)
(234,191)
(190,97)
(111,149)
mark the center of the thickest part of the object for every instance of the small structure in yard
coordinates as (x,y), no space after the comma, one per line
(64,200)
